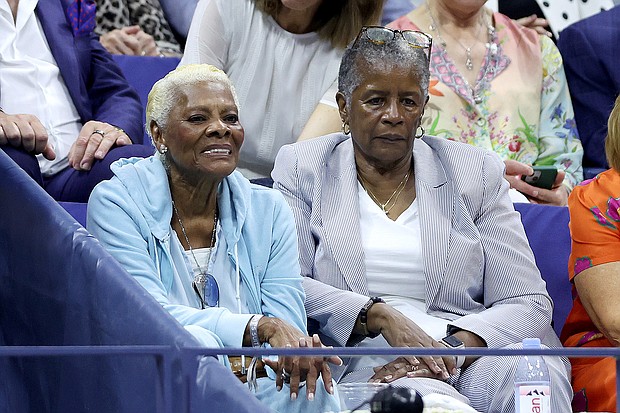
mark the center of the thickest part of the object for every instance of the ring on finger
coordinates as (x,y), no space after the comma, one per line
(286,376)
(98,132)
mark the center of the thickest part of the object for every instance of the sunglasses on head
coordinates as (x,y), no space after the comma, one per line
(381,35)
(205,286)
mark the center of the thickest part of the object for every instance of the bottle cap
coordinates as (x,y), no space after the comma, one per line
(531,343)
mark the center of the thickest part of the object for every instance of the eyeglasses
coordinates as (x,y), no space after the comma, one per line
(205,286)
(382,35)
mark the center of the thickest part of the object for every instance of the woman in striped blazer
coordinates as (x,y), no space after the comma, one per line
(404,241)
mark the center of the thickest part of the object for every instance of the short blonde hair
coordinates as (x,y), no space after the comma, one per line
(612,142)
(164,94)
(338,21)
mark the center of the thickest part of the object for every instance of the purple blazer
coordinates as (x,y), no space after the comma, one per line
(95,82)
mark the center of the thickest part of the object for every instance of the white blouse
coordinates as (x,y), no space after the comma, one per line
(279,77)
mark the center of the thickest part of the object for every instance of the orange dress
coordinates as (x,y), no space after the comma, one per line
(595,231)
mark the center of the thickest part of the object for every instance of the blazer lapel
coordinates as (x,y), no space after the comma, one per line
(62,44)
(436,205)
(340,216)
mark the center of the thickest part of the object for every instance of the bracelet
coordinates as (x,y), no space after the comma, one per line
(254,330)
(363,316)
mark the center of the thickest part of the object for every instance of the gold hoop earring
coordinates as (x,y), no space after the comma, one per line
(345,128)
(421,133)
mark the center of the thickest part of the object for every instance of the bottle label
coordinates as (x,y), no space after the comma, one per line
(533,398)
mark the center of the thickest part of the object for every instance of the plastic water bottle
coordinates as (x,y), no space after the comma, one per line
(532,382)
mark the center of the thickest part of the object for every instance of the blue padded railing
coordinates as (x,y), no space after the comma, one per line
(60,289)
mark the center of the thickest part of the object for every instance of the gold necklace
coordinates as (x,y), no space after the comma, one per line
(394,196)
(200,279)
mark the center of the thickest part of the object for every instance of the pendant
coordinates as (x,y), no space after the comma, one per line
(477,99)
(468,63)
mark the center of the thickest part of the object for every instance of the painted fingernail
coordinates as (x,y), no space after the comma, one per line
(310,396)
(293,396)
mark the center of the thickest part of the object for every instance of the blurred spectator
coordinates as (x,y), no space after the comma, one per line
(500,86)
(63,98)
(590,49)
(558,13)
(135,27)
(283,58)
(594,269)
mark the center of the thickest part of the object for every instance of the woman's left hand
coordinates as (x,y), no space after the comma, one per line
(294,370)
(394,370)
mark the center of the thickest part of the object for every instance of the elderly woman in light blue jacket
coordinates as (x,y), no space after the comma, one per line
(219,253)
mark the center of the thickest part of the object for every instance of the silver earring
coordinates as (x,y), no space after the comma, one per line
(421,133)
(345,128)
(163,149)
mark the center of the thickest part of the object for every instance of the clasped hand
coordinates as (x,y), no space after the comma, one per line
(295,369)
(94,141)
(399,331)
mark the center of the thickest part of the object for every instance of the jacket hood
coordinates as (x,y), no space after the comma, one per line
(147,185)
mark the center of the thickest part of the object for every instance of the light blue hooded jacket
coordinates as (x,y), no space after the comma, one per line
(131,213)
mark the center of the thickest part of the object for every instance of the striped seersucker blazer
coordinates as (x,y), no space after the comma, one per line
(480,271)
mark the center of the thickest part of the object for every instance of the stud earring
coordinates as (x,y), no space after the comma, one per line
(163,149)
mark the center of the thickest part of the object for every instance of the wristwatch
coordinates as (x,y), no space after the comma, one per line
(364,316)
(454,342)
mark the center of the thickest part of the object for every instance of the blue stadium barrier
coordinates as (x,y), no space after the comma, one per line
(60,289)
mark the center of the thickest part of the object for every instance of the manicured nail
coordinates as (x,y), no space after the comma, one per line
(293,396)
(310,396)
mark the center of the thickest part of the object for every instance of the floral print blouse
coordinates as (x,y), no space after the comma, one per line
(594,208)
(519,108)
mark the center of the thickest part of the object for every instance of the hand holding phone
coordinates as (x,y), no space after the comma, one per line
(543,176)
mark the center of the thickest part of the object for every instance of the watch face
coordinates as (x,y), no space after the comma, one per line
(452,341)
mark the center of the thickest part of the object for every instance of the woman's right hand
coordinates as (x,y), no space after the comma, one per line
(399,331)
(296,369)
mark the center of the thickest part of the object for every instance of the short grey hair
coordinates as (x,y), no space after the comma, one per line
(165,92)
(397,53)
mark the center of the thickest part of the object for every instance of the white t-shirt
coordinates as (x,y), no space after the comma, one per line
(394,270)
(279,77)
